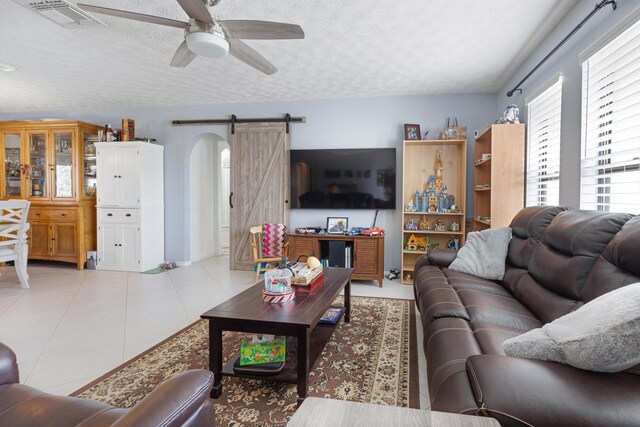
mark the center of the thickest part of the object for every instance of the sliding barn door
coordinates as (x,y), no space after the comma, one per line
(259,184)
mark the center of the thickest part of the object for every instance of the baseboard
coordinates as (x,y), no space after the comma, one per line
(183,263)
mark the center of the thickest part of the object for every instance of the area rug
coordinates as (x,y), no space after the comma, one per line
(372,359)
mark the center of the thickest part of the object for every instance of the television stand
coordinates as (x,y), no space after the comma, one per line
(367,252)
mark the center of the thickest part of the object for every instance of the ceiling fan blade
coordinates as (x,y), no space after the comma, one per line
(262,30)
(183,56)
(133,15)
(196,10)
(249,56)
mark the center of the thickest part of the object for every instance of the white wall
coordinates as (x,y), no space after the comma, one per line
(565,62)
(203,174)
(346,123)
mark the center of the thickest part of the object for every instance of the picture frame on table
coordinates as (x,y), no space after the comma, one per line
(337,225)
(411,132)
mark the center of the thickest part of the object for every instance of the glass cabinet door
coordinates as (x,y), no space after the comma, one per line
(12,166)
(89,149)
(63,164)
(38,164)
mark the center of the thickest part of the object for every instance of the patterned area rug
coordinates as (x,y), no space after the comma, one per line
(371,359)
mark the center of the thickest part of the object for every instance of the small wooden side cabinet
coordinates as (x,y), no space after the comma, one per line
(367,252)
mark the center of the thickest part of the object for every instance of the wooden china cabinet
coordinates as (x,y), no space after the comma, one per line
(53,165)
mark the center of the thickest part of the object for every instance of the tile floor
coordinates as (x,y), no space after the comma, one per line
(73,326)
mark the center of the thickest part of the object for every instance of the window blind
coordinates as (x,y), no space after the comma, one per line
(610,177)
(543,150)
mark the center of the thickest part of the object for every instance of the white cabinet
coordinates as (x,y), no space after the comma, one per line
(120,170)
(130,196)
(119,246)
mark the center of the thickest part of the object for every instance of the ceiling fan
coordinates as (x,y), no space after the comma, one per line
(203,35)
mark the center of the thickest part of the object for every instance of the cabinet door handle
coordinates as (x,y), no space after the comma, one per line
(109,214)
(115,176)
(37,214)
(231,200)
(128,215)
(64,214)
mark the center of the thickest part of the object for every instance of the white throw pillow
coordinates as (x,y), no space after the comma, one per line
(602,335)
(484,253)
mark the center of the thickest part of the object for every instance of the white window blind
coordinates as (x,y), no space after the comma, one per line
(543,150)
(611,126)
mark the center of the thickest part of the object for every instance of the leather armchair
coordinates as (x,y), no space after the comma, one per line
(182,400)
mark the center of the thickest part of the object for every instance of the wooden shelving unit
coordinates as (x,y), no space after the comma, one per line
(499,181)
(419,163)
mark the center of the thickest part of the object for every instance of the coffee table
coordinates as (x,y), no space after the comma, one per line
(297,319)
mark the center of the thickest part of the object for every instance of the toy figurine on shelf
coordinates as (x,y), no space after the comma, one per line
(434,245)
(410,207)
(439,226)
(454,243)
(454,226)
(424,223)
(411,225)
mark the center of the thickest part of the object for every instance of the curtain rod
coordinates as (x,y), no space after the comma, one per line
(599,6)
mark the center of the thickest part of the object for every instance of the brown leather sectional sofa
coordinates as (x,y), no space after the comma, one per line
(182,400)
(558,260)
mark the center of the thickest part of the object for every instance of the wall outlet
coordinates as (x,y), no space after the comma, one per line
(475,133)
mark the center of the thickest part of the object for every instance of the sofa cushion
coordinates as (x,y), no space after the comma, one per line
(484,253)
(602,335)
(490,336)
(527,227)
(570,245)
(498,310)
(618,265)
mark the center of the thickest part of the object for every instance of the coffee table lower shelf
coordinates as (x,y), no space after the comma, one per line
(319,337)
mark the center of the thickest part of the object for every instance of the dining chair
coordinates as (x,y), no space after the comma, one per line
(13,241)
(269,245)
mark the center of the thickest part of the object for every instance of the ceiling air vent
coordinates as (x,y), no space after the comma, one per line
(62,12)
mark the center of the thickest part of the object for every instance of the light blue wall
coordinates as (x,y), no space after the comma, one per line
(346,123)
(565,62)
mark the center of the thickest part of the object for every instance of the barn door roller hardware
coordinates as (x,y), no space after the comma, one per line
(234,119)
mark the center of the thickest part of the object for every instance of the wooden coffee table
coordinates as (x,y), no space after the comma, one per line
(297,319)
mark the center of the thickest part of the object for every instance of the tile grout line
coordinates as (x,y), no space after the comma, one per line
(173,284)
(75,294)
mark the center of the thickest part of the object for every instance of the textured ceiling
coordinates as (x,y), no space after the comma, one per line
(352,48)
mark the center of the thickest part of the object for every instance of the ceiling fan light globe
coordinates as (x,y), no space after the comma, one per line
(207,44)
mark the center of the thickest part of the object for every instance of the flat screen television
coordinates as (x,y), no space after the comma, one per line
(343,179)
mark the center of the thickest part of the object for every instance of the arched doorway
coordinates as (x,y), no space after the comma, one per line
(206,199)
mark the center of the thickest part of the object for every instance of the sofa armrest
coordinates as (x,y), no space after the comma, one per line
(9,373)
(437,258)
(175,402)
(533,392)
